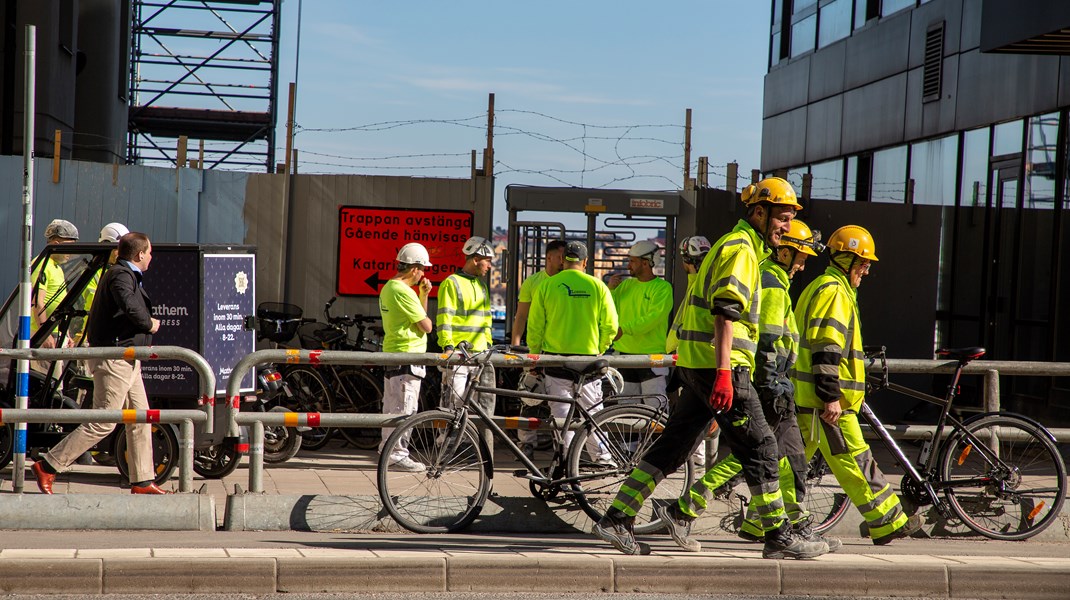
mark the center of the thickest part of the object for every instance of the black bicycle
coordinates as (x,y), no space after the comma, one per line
(999,473)
(448,489)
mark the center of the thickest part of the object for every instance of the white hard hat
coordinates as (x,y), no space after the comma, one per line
(112,232)
(648,250)
(694,249)
(414,254)
(478,246)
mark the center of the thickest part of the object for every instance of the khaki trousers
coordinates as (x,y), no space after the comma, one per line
(117,385)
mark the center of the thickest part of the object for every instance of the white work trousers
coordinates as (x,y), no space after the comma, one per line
(401,395)
(117,385)
(590,397)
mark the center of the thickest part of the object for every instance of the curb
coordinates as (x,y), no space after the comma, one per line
(834,575)
(173,512)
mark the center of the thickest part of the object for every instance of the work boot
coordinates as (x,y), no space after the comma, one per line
(678,525)
(743,534)
(804,528)
(785,543)
(912,525)
(617,528)
(528,450)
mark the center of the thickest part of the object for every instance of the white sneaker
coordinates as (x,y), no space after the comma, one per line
(408,464)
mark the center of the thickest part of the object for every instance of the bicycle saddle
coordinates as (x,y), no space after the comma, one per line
(961,354)
(576,372)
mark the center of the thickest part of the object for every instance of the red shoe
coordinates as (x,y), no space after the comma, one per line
(44,478)
(151,488)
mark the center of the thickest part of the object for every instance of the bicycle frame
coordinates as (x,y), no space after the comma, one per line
(534,473)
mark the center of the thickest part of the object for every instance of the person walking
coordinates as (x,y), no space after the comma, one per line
(464,315)
(121,316)
(405,329)
(572,314)
(718,339)
(778,341)
(643,303)
(830,384)
(531,379)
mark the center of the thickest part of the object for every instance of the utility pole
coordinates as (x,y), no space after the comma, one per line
(688,184)
(488,152)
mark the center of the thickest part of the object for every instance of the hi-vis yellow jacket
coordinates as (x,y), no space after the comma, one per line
(831,361)
(728,283)
(464,313)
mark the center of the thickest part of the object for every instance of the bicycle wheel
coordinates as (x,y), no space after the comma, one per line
(450,493)
(356,391)
(825,499)
(626,433)
(310,394)
(1013,495)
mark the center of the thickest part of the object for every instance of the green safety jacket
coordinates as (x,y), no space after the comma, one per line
(831,361)
(401,309)
(778,334)
(728,283)
(643,309)
(672,339)
(464,313)
(572,313)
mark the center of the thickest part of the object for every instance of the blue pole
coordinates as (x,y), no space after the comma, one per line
(22,383)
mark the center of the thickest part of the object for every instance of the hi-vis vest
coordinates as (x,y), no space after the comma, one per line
(728,277)
(829,330)
(464,313)
(778,334)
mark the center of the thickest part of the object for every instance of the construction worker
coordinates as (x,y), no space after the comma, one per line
(572,314)
(530,380)
(692,251)
(778,341)
(830,384)
(643,303)
(464,315)
(49,280)
(405,329)
(718,339)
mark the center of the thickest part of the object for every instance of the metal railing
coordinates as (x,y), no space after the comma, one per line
(185,418)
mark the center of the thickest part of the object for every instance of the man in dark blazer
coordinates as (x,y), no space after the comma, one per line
(121,316)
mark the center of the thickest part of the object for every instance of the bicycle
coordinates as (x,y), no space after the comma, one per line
(451,492)
(1000,473)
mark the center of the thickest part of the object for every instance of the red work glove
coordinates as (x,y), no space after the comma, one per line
(721,396)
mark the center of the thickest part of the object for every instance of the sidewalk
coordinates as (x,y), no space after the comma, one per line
(340,553)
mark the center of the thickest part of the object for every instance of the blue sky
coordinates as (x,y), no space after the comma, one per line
(588,93)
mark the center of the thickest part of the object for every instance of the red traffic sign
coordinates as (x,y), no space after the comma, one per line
(369,240)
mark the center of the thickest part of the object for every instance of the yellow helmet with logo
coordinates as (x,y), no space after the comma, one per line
(772,190)
(802,238)
(853,239)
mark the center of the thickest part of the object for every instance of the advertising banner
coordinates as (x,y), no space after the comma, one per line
(172,284)
(369,240)
(228,297)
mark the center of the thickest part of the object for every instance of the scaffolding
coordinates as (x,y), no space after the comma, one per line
(205,70)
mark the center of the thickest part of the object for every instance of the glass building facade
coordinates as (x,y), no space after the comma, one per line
(955,154)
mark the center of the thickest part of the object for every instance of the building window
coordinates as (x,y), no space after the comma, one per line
(803,35)
(1040,165)
(1007,138)
(974,168)
(865,10)
(889,175)
(795,178)
(893,6)
(933,167)
(835,22)
(826,180)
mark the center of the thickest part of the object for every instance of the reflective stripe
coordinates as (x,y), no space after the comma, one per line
(828,322)
(696,336)
(881,497)
(772,329)
(698,301)
(745,345)
(833,370)
(854,386)
(829,348)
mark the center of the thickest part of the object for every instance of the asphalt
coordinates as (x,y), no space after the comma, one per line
(262,543)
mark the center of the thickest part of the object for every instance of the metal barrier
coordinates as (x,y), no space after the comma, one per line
(331,357)
(990,369)
(185,418)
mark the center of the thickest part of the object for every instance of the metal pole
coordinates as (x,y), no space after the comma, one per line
(185,456)
(992,403)
(256,458)
(22,386)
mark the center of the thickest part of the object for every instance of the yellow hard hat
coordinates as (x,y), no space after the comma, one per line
(773,190)
(801,237)
(853,239)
